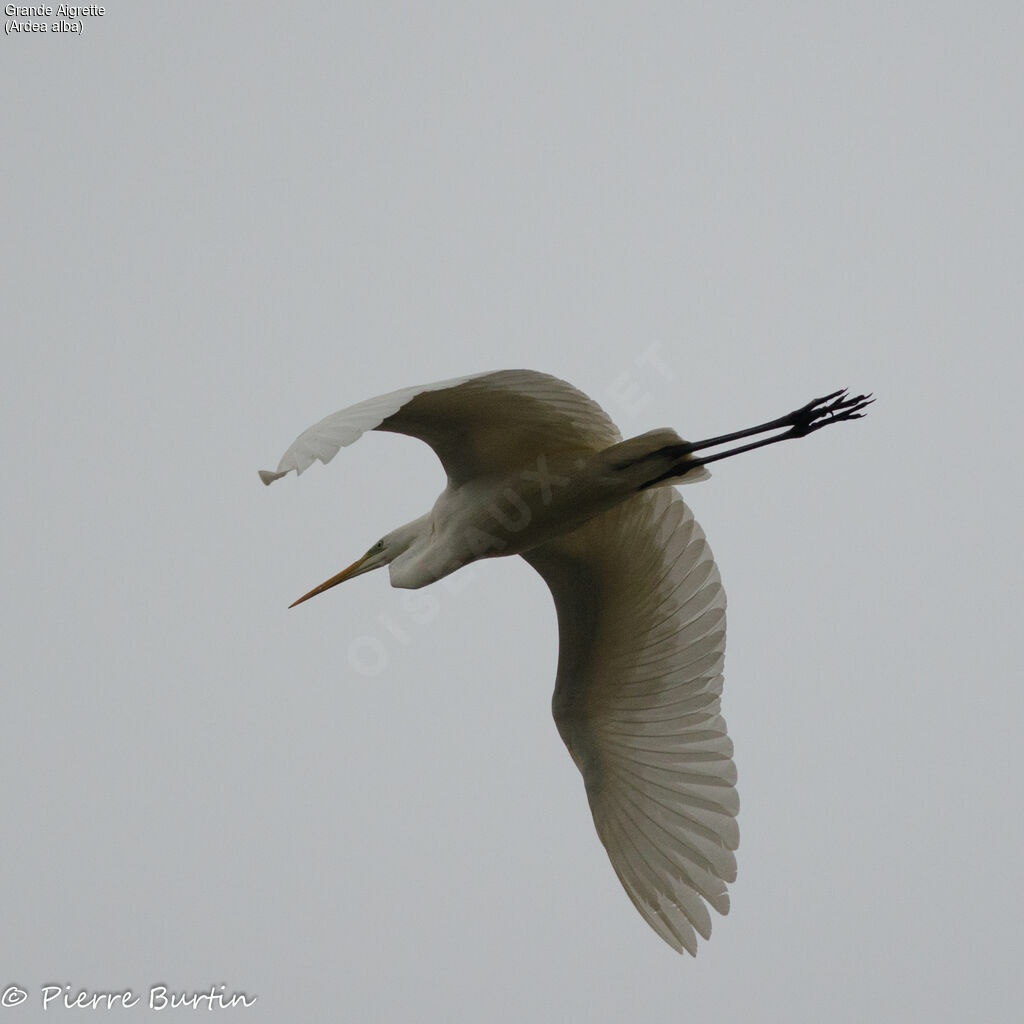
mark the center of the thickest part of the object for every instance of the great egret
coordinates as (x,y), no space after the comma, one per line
(537,468)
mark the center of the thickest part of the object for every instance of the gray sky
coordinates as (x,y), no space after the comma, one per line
(225,221)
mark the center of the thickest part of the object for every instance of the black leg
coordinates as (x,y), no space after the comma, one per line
(808,418)
(833,408)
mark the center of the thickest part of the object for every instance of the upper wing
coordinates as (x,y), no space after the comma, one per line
(641,621)
(489,423)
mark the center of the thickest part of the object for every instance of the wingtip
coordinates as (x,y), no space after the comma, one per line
(268,477)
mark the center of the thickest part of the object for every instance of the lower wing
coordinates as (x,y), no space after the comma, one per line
(641,616)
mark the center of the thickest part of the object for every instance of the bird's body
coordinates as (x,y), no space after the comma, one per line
(536,468)
(513,513)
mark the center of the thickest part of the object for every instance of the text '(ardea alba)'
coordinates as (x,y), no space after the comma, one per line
(536,468)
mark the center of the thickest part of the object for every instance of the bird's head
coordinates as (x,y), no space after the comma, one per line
(385,551)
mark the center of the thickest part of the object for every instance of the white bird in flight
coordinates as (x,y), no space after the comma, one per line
(536,468)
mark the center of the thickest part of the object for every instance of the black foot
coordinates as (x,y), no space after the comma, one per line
(823,411)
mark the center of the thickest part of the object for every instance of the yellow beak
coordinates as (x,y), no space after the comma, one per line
(345,574)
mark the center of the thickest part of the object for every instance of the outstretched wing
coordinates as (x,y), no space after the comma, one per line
(489,423)
(641,621)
